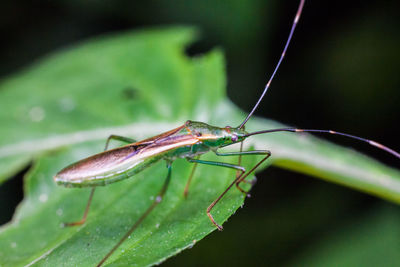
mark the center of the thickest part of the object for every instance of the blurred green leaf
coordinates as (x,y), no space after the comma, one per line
(372,240)
(138,85)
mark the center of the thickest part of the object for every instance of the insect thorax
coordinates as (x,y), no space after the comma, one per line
(215,137)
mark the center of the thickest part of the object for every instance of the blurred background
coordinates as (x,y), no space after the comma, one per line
(341,73)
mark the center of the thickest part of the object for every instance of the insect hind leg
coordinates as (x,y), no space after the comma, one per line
(83,220)
(156,201)
(119,138)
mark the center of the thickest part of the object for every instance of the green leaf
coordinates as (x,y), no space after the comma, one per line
(136,84)
(35,234)
(371,240)
(87,92)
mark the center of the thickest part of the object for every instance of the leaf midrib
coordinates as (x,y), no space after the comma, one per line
(140,129)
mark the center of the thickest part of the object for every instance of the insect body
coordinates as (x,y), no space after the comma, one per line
(188,141)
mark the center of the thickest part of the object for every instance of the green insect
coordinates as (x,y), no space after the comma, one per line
(188,141)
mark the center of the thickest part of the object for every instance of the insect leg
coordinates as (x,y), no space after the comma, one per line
(186,191)
(240,158)
(119,138)
(83,220)
(267,153)
(237,180)
(243,153)
(144,215)
(220,164)
(240,169)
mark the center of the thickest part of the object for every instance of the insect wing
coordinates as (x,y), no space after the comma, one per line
(122,162)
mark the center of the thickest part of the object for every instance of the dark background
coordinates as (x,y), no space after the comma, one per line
(341,72)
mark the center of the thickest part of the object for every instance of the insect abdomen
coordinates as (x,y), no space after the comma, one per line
(104,168)
(120,163)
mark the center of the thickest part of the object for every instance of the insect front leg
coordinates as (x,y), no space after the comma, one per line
(238,179)
(83,220)
(240,161)
(220,164)
(157,200)
(244,153)
(240,157)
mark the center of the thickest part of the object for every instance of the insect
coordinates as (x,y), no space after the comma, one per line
(188,141)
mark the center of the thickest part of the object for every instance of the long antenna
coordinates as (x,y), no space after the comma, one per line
(296,20)
(295,130)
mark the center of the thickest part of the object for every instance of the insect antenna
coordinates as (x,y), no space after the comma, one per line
(296,20)
(295,130)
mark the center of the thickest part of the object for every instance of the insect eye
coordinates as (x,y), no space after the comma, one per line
(234,138)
